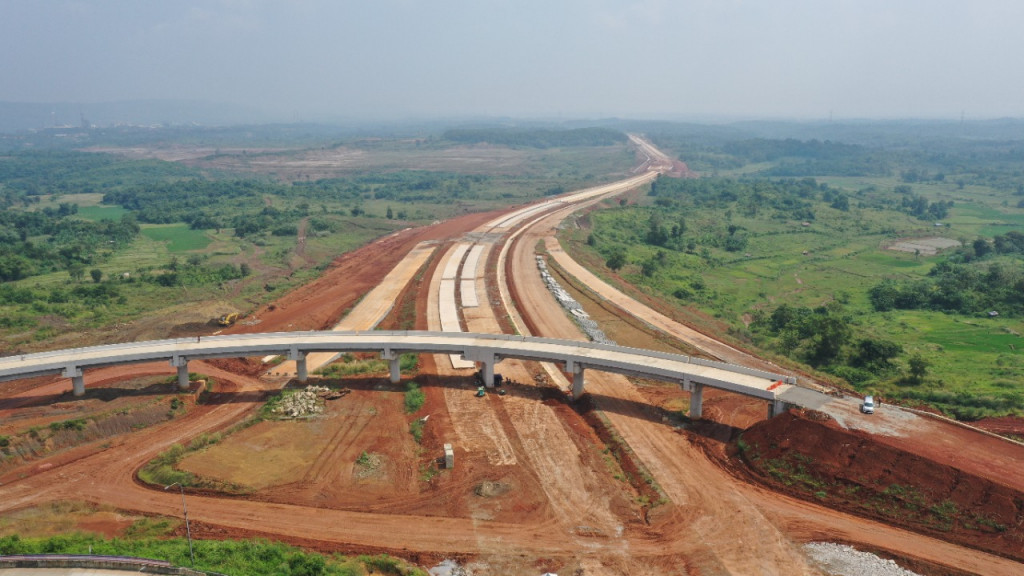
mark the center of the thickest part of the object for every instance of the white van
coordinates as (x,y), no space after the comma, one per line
(868,407)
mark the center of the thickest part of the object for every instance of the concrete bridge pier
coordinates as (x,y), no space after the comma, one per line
(696,391)
(487,370)
(576,369)
(301,368)
(77,380)
(394,365)
(487,362)
(181,363)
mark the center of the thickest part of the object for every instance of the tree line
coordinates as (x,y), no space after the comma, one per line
(980,277)
(536,137)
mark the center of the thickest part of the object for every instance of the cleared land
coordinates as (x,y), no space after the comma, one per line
(614,485)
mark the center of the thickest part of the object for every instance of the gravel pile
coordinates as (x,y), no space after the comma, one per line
(305,402)
(585,322)
(842,560)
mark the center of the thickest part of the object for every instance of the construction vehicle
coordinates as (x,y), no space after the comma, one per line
(228,319)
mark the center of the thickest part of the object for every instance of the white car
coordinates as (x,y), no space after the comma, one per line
(868,407)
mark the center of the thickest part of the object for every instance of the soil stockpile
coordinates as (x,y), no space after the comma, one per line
(809,454)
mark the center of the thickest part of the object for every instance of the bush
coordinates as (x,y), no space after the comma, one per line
(416,429)
(414,398)
(300,564)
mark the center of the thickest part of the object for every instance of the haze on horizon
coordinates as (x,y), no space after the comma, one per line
(315,60)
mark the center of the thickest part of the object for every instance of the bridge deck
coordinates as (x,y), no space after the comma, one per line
(486,348)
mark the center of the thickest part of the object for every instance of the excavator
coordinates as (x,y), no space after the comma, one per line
(228,319)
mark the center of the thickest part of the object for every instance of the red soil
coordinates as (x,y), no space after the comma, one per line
(807,453)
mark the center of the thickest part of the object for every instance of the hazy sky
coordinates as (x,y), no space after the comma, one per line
(310,59)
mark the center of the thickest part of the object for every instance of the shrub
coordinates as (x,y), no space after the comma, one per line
(414,398)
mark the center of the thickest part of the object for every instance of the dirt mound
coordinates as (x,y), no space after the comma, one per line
(815,458)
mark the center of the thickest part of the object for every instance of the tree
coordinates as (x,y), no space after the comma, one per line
(96,274)
(680,228)
(831,331)
(918,367)
(885,295)
(656,234)
(981,248)
(76,271)
(876,354)
(244,269)
(841,202)
(617,260)
(389,214)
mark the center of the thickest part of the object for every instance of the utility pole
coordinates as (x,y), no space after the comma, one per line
(188,530)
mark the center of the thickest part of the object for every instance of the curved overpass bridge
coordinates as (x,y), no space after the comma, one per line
(486,349)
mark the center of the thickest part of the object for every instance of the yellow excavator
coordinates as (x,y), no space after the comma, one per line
(228,319)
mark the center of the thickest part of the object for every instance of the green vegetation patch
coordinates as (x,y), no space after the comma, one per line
(741,250)
(414,398)
(230,557)
(179,237)
(101,212)
(350,365)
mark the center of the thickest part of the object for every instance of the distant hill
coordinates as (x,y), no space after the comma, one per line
(20,116)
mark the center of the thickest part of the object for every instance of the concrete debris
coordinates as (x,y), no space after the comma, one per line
(842,560)
(585,322)
(329,394)
(305,402)
(449,568)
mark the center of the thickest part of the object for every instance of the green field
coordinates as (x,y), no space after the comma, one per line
(101,212)
(177,237)
(837,257)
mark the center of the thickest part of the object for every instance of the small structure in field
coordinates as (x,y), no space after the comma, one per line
(449,457)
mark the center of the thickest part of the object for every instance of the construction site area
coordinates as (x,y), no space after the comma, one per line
(520,477)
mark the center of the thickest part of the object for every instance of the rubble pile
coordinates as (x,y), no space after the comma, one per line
(305,402)
(585,322)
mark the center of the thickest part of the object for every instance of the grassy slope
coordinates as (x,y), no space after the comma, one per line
(845,257)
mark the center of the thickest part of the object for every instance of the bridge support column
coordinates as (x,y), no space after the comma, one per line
(487,361)
(77,380)
(394,365)
(181,363)
(576,369)
(487,371)
(696,391)
(577,383)
(301,368)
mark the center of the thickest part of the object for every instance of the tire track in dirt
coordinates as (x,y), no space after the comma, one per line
(329,465)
